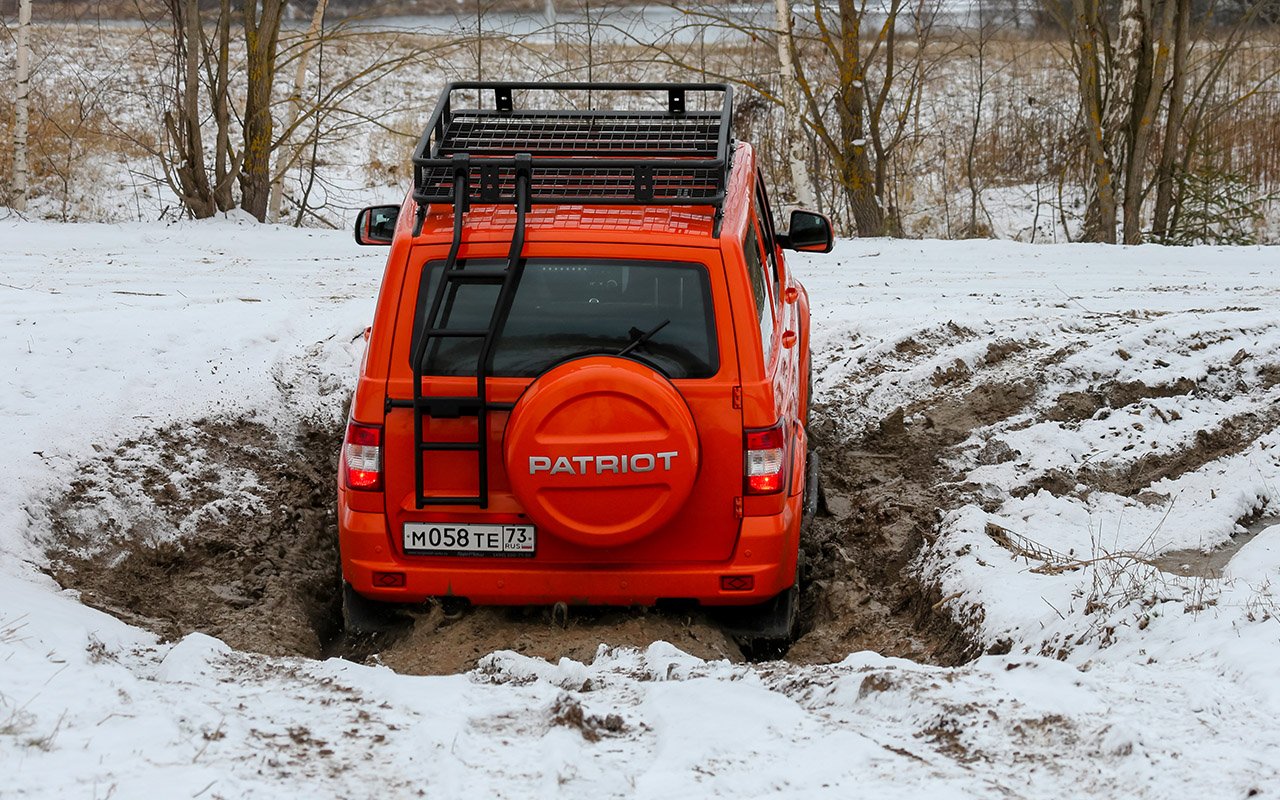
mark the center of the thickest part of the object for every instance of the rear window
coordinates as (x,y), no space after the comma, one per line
(572,307)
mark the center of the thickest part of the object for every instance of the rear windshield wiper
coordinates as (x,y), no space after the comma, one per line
(638,338)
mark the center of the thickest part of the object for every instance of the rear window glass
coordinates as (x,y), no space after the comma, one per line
(571,307)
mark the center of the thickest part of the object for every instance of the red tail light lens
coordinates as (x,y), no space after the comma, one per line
(765,469)
(362,456)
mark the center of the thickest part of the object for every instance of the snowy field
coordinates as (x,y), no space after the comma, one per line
(1141,431)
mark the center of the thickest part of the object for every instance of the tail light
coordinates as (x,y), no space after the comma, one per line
(362,456)
(765,469)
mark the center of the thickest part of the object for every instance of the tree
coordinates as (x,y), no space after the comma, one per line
(208,111)
(261,25)
(858,87)
(22,122)
(182,154)
(876,85)
(1121,69)
(797,143)
(286,157)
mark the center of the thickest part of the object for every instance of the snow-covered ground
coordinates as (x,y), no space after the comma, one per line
(1117,680)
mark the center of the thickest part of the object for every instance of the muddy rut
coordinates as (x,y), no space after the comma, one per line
(226,528)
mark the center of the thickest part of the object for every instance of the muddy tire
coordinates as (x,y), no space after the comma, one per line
(814,501)
(362,616)
(768,627)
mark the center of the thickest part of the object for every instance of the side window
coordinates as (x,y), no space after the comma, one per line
(766,224)
(764,304)
(763,210)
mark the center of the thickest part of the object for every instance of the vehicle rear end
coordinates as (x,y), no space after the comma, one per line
(551,407)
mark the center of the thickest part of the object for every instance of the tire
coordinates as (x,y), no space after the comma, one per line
(362,616)
(808,391)
(771,625)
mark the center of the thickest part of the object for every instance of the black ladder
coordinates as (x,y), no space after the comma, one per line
(435,328)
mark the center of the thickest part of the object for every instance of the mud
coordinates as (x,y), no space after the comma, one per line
(219,527)
(436,644)
(885,491)
(1231,436)
(225,528)
(1211,563)
(1081,405)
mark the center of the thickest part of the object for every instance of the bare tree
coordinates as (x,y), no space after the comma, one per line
(876,84)
(22,123)
(1172,133)
(182,154)
(981,40)
(797,140)
(287,156)
(261,25)
(204,64)
(1123,84)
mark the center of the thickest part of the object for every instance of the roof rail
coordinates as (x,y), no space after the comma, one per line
(671,155)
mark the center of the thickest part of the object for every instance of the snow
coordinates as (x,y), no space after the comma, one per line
(1119,680)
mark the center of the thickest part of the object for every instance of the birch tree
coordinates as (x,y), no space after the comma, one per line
(797,144)
(22,122)
(1130,104)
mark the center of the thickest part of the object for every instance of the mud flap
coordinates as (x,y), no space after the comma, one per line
(360,615)
(773,621)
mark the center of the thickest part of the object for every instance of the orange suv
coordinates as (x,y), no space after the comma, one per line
(587,377)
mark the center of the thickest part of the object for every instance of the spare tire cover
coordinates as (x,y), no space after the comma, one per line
(601,451)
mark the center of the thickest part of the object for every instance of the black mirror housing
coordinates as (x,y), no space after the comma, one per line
(376,225)
(808,233)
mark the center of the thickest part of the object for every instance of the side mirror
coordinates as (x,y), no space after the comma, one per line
(376,224)
(809,233)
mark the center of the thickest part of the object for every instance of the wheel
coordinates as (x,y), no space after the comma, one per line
(769,626)
(360,615)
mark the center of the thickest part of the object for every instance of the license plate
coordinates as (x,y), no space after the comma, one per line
(462,539)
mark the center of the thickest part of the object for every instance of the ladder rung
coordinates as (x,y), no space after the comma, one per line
(449,407)
(456,333)
(449,501)
(476,276)
(428,399)
(448,446)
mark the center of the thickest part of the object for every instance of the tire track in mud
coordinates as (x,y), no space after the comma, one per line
(885,492)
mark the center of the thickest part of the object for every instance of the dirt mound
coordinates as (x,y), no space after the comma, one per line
(1231,436)
(1081,405)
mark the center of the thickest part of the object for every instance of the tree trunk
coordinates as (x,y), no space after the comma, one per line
(1173,122)
(1156,17)
(1087,33)
(797,152)
(185,167)
(226,166)
(856,174)
(261,33)
(21,123)
(286,157)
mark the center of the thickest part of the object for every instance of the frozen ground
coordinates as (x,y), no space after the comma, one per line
(1127,423)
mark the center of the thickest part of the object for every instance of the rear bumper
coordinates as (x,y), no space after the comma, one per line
(765,551)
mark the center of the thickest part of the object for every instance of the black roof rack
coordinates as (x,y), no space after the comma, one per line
(671,155)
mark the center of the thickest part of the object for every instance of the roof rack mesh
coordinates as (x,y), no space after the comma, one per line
(671,155)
